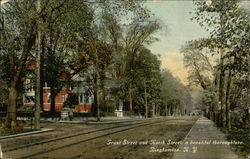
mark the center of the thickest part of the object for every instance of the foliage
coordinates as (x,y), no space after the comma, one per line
(240,135)
(71,101)
(87,40)
(144,71)
(67,28)
(178,102)
(228,43)
(199,63)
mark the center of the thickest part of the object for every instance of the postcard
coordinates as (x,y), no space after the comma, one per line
(124,79)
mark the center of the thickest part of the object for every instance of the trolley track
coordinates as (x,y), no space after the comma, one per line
(66,137)
(63,142)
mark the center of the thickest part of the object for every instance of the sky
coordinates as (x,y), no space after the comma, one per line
(175,14)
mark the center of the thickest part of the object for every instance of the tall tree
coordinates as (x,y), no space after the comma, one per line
(144,74)
(65,34)
(17,41)
(228,26)
(139,33)
(175,97)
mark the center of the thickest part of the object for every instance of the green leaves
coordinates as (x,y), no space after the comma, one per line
(229,40)
(173,93)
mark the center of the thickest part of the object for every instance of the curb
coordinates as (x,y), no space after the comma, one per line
(114,121)
(27,133)
(120,121)
(71,122)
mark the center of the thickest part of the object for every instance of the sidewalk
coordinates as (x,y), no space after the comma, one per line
(205,141)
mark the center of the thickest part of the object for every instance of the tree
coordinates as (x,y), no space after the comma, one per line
(66,29)
(65,35)
(144,74)
(18,38)
(126,43)
(17,42)
(201,65)
(229,38)
(175,97)
(201,70)
(104,44)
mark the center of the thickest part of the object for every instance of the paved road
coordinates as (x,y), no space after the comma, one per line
(205,141)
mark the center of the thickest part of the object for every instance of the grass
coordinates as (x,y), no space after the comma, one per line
(19,129)
(7,132)
(242,135)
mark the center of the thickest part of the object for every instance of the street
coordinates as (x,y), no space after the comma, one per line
(155,138)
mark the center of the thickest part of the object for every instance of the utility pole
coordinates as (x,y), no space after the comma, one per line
(38,72)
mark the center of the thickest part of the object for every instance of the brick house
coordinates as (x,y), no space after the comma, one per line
(85,95)
(85,98)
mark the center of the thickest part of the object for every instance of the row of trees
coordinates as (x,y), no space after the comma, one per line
(220,63)
(101,42)
(175,97)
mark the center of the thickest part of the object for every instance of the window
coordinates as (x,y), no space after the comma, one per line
(49,98)
(64,97)
(86,100)
(29,99)
(29,85)
(81,98)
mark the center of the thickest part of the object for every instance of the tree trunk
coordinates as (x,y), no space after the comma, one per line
(11,121)
(38,75)
(222,73)
(130,98)
(153,109)
(217,90)
(222,102)
(169,110)
(16,70)
(97,96)
(228,92)
(37,94)
(104,103)
(146,102)
(42,73)
(156,109)
(222,91)
(53,100)
(166,109)
(174,110)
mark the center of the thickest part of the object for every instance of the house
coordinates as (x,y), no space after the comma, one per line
(84,94)
(85,98)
